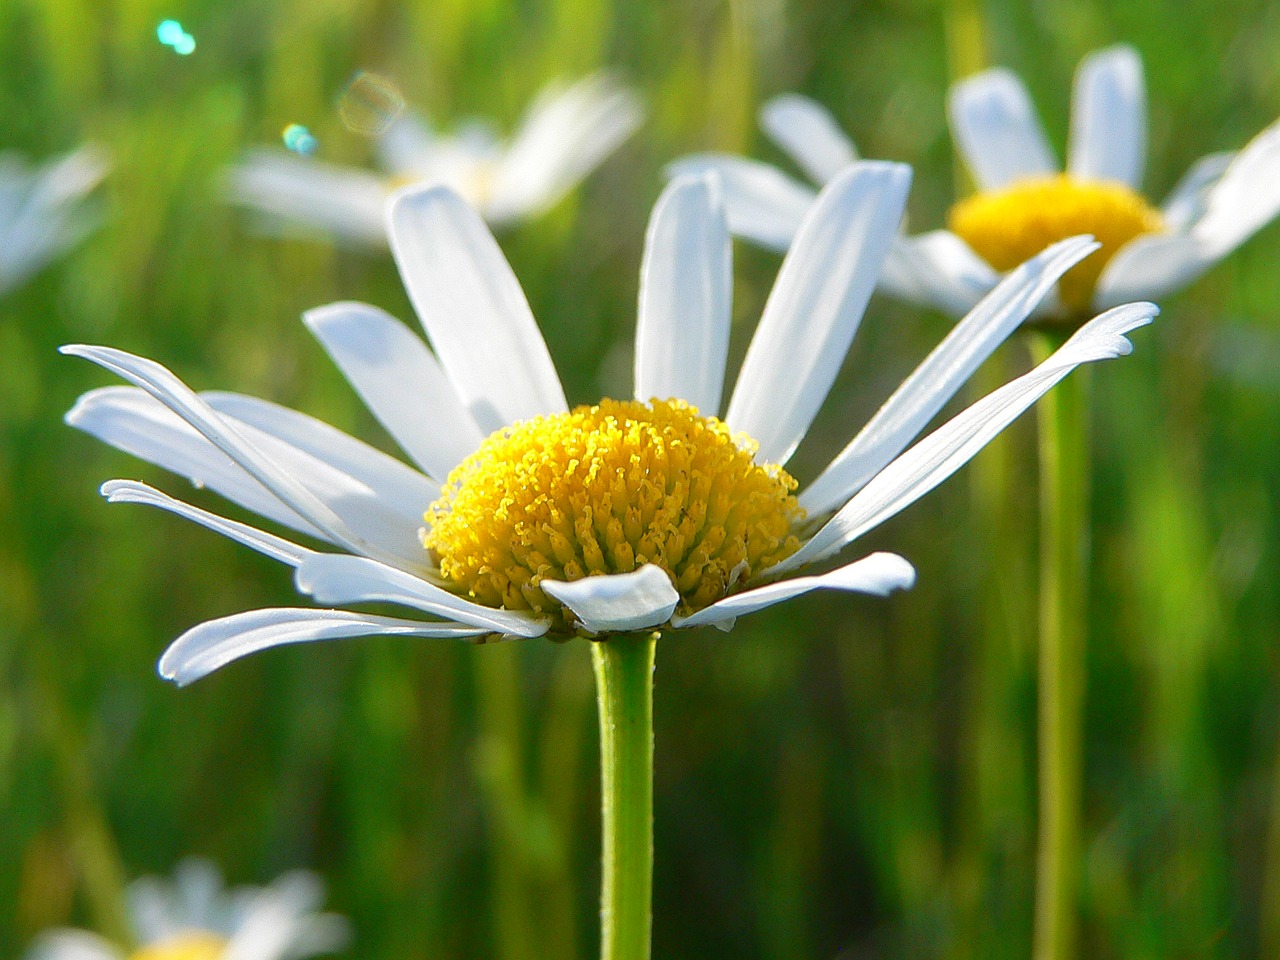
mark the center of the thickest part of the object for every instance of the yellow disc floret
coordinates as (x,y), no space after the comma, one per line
(193,945)
(607,489)
(1006,227)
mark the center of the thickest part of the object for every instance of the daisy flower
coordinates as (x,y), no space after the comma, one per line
(192,917)
(522,517)
(1024,200)
(565,135)
(42,210)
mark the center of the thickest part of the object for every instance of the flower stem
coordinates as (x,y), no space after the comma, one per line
(624,693)
(1064,551)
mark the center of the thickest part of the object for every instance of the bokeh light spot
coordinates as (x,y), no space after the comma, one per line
(370,103)
(172,35)
(299,139)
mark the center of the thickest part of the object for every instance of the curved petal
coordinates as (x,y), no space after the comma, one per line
(215,643)
(878,573)
(400,381)
(336,578)
(816,305)
(997,130)
(943,372)
(1109,118)
(1186,201)
(291,190)
(686,298)
(809,134)
(1246,198)
(618,602)
(565,135)
(277,548)
(1152,266)
(472,307)
(951,446)
(761,203)
(937,269)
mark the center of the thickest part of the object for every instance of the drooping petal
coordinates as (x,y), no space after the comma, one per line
(997,130)
(937,269)
(400,381)
(1186,201)
(951,446)
(1109,118)
(564,136)
(277,548)
(335,578)
(215,643)
(72,945)
(816,306)
(878,573)
(686,291)
(292,190)
(472,308)
(809,134)
(619,602)
(761,203)
(943,372)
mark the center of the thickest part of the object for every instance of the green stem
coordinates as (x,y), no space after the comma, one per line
(1064,551)
(624,693)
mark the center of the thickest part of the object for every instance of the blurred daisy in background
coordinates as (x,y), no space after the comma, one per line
(192,917)
(42,209)
(631,514)
(1024,201)
(565,134)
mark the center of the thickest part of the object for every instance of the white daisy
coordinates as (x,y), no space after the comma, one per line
(192,917)
(42,210)
(563,137)
(1024,202)
(627,515)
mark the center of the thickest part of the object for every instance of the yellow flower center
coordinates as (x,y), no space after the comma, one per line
(607,489)
(1006,227)
(192,945)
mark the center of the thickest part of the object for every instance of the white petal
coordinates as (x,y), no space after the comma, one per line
(997,130)
(291,190)
(1186,202)
(179,398)
(215,643)
(816,305)
(333,578)
(942,373)
(951,446)
(278,917)
(686,298)
(563,138)
(400,381)
(277,548)
(809,133)
(1109,118)
(619,602)
(473,309)
(761,203)
(72,945)
(1246,198)
(407,145)
(878,573)
(937,269)
(1152,265)
(131,420)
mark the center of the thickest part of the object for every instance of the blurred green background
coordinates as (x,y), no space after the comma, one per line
(844,777)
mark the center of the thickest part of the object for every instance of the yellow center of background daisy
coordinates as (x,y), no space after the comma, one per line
(185,946)
(1006,227)
(607,489)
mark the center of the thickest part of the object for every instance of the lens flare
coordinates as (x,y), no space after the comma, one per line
(370,104)
(299,139)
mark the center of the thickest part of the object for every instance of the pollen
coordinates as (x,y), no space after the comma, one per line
(607,489)
(192,945)
(1006,227)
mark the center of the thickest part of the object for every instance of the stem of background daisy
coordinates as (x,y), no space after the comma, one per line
(1064,551)
(624,694)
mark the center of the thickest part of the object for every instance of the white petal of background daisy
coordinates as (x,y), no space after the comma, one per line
(1025,200)
(192,917)
(42,209)
(565,134)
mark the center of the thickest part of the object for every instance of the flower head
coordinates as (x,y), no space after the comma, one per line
(565,134)
(523,517)
(42,210)
(192,918)
(1024,200)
